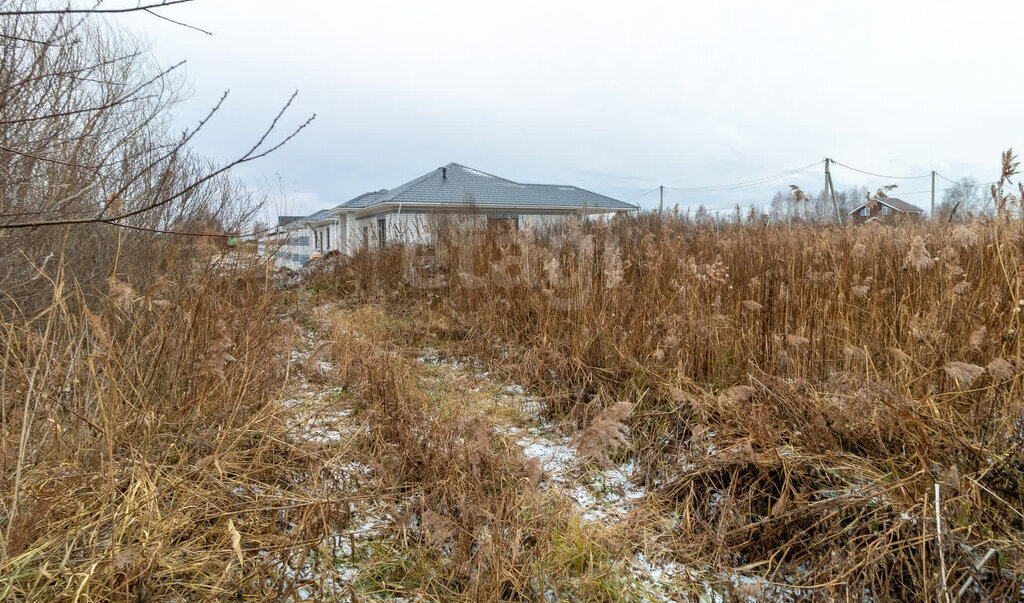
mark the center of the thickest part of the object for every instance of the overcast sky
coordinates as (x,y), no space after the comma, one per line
(614,97)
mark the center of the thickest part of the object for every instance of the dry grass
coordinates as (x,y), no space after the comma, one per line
(468,521)
(144,453)
(171,444)
(789,397)
(798,390)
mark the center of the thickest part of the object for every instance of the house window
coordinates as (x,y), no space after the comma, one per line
(864,211)
(886,210)
(327,235)
(382,225)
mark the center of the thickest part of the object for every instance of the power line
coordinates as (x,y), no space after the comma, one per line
(732,207)
(237,233)
(642,195)
(879,175)
(735,185)
(898,194)
(183,233)
(961,182)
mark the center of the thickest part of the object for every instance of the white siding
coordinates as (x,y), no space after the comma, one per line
(325,237)
(415,227)
(410,227)
(542,220)
(336,236)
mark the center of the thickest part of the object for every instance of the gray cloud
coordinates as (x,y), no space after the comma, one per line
(614,97)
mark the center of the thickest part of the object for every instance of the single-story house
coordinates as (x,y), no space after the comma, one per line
(407,212)
(885,209)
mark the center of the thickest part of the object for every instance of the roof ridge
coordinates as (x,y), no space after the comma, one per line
(472,169)
(358,198)
(573,186)
(442,186)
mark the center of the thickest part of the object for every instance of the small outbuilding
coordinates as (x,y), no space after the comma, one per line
(886,209)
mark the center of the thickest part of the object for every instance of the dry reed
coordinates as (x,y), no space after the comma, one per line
(798,390)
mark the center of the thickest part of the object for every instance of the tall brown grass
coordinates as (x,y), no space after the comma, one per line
(789,395)
(147,454)
(144,453)
(468,521)
(799,390)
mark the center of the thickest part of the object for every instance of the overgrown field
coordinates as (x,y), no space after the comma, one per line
(648,409)
(643,410)
(792,398)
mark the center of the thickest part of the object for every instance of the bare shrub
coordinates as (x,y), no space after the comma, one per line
(93,173)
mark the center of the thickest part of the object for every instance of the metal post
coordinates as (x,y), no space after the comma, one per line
(661,199)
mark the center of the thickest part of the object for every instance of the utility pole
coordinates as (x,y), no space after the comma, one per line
(830,187)
(661,199)
(835,200)
(933,194)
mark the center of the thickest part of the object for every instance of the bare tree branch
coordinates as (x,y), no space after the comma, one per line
(127,98)
(87,143)
(182,24)
(250,155)
(92,11)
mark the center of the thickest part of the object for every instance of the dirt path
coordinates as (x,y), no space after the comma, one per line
(461,386)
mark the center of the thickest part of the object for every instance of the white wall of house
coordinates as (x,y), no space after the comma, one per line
(350,229)
(535,221)
(414,227)
(326,236)
(346,232)
(406,227)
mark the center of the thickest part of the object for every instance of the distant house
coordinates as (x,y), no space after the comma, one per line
(290,247)
(887,209)
(285,220)
(407,213)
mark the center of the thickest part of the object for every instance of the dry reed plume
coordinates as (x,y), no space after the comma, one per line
(798,390)
(144,450)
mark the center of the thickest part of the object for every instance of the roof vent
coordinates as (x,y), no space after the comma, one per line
(444,174)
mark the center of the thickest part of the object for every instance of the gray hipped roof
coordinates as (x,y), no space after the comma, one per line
(456,184)
(323,214)
(364,200)
(360,201)
(459,185)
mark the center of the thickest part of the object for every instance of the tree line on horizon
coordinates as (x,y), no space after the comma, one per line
(965,200)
